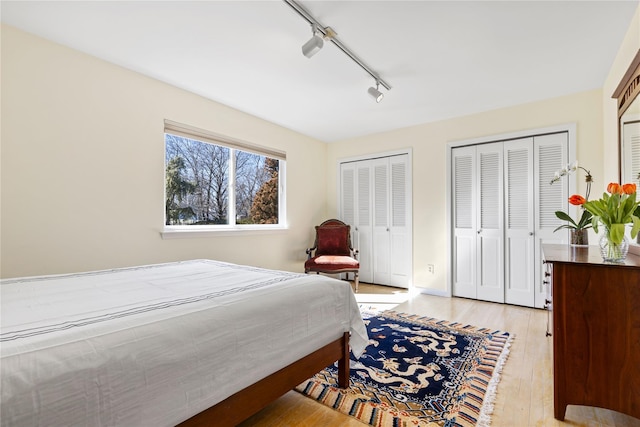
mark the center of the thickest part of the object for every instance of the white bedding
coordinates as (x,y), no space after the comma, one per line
(155,345)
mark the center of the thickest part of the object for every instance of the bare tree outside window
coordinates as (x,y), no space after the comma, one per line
(197,184)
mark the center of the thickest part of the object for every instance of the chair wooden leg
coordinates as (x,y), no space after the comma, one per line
(356,280)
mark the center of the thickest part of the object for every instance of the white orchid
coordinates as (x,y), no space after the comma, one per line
(559,174)
(573,166)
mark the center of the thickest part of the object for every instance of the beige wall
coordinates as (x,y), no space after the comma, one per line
(625,55)
(594,113)
(82,164)
(82,169)
(429,144)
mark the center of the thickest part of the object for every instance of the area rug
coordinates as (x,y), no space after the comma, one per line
(373,309)
(418,371)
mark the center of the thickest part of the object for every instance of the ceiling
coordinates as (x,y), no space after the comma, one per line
(442,59)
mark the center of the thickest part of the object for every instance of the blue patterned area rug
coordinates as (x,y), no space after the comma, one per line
(418,371)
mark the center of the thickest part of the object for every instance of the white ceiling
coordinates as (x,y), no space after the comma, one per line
(442,58)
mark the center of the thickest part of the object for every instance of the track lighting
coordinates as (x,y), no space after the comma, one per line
(314,44)
(375,92)
(322,33)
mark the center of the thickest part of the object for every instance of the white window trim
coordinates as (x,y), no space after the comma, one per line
(199,231)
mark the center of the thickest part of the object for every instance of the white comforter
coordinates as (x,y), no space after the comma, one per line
(154,345)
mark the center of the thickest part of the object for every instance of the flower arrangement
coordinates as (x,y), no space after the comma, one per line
(616,208)
(585,221)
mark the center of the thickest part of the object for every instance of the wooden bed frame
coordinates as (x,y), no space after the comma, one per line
(240,406)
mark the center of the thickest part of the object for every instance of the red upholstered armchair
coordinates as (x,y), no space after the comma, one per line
(333,250)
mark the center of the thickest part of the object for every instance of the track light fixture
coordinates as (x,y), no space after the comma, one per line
(321,33)
(375,92)
(314,44)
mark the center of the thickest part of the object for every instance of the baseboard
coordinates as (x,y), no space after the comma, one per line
(434,292)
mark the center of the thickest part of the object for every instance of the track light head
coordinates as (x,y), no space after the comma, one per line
(314,44)
(375,92)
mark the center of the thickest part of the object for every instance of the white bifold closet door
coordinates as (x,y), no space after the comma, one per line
(503,209)
(375,200)
(490,248)
(355,210)
(400,222)
(519,239)
(478,266)
(551,153)
(381,229)
(531,203)
(464,260)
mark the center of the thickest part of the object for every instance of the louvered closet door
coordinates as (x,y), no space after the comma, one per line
(347,193)
(489,243)
(631,150)
(463,182)
(355,210)
(400,221)
(519,236)
(364,219)
(381,222)
(348,198)
(550,155)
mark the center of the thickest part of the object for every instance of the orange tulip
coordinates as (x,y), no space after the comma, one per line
(614,188)
(577,200)
(629,188)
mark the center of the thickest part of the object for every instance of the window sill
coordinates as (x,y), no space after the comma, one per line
(195,231)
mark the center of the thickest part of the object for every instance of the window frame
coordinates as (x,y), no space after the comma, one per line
(234,145)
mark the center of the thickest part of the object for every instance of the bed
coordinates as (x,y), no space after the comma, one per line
(185,342)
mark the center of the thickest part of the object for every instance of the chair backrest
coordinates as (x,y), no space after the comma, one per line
(333,237)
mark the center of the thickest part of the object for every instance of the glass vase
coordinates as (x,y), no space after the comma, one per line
(579,237)
(611,251)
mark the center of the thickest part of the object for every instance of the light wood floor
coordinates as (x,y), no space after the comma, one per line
(525,392)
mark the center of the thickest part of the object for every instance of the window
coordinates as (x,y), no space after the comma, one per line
(215,182)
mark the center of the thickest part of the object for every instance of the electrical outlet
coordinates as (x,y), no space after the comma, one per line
(431,268)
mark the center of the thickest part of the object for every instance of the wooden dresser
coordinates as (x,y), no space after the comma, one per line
(596,330)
